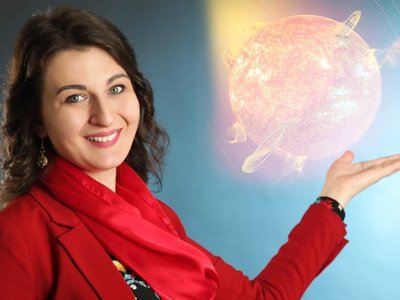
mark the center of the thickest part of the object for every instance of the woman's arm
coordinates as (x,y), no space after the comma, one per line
(311,245)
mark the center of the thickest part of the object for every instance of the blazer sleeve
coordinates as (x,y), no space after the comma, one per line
(311,246)
(16,279)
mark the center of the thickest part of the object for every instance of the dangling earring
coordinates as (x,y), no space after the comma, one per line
(42,160)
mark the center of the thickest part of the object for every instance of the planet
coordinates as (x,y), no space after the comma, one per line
(304,87)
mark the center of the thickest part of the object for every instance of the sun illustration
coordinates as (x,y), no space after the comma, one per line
(304,87)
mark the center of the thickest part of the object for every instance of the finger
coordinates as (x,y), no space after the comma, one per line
(379,161)
(378,171)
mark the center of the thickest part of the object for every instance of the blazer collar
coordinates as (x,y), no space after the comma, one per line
(58,213)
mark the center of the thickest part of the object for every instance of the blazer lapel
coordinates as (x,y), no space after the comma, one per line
(85,251)
(95,264)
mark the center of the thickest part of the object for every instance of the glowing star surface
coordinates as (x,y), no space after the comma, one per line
(303,87)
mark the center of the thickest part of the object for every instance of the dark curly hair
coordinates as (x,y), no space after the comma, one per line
(43,36)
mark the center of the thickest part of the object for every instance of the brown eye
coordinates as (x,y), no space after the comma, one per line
(117,89)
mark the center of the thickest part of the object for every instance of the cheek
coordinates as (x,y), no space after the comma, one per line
(131,112)
(62,127)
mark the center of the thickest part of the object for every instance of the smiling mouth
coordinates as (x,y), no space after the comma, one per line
(102,139)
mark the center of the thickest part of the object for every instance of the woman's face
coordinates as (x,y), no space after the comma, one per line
(89,110)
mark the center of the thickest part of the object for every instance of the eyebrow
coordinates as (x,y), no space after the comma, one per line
(71,86)
(84,88)
(116,76)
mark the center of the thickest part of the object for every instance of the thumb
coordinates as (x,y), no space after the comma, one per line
(347,157)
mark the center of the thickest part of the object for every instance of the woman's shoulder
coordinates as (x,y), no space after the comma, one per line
(19,208)
(36,207)
(19,219)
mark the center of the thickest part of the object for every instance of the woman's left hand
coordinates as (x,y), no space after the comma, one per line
(345,179)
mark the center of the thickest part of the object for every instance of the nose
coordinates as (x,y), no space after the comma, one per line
(101,112)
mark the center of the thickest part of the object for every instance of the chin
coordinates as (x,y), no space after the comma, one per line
(111,164)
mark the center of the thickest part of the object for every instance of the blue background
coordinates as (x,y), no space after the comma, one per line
(237,217)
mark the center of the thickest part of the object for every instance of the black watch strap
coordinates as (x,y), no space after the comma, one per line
(333,205)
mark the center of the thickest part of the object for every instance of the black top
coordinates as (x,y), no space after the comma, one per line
(139,287)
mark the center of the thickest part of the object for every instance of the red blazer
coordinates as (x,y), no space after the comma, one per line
(47,253)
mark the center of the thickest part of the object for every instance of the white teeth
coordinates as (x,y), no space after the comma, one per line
(102,139)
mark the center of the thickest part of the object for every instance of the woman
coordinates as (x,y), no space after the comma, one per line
(78,218)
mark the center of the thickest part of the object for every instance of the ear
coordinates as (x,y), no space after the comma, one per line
(40,130)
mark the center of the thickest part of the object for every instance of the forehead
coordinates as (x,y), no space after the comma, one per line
(80,64)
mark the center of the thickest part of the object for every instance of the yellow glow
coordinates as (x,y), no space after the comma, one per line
(232,21)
